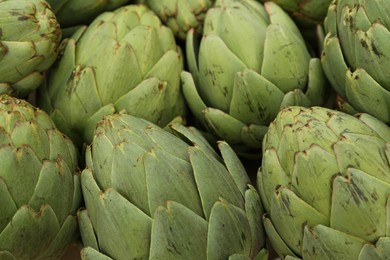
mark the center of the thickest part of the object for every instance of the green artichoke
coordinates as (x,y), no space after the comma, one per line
(29,37)
(307,13)
(75,12)
(39,188)
(356,55)
(250,62)
(181,15)
(325,185)
(125,60)
(150,194)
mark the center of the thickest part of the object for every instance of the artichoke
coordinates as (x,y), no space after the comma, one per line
(181,15)
(39,190)
(75,12)
(125,60)
(250,62)
(144,187)
(325,185)
(29,37)
(356,55)
(307,13)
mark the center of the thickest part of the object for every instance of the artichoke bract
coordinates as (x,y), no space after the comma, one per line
(356,54)
(181,15)
(250,62)
(125,60)
(152,194)
(39,187)
(325,185)
(29,37)
(75,12)
(307,13)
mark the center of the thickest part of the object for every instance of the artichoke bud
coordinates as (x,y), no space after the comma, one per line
(29,38)
(181,15)
(39,185)
(325,179)
(236,68)
(124,60)
(153,184)
(355,55)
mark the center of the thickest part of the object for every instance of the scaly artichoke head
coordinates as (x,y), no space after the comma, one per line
(307,13)
(181,15)
(39,189)
(29,37)
(356,55)
(250,62)
(144,187)
(325,185)
(125,60)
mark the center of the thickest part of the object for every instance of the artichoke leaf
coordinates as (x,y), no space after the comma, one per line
(164,140)
(172,239)
(191,94)
(334,65)
(37,229)
(125,173)
(234,166)
(367,95)
(271,176)
(170,178)
(295,98)
(21,180)
(317,83)
(282,46)
(254,99)
(229,231)
(252,135)
(351,152)
(192,45)
(381,250)
(87,233)
(223,125)
(131,240)
(341,123)
(380,129)
(18,56)
(311,179)
(217,67)
(24,86)
(276,240)
(167,68)
(254,211)
(289,214)
(362,196)
(145,44)
(278,16)
(195,137)
(322,242)
(31,134)
(54,176)
(208,170)
(146,100)
(240,28)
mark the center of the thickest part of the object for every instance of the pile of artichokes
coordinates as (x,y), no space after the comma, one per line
(194,129)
